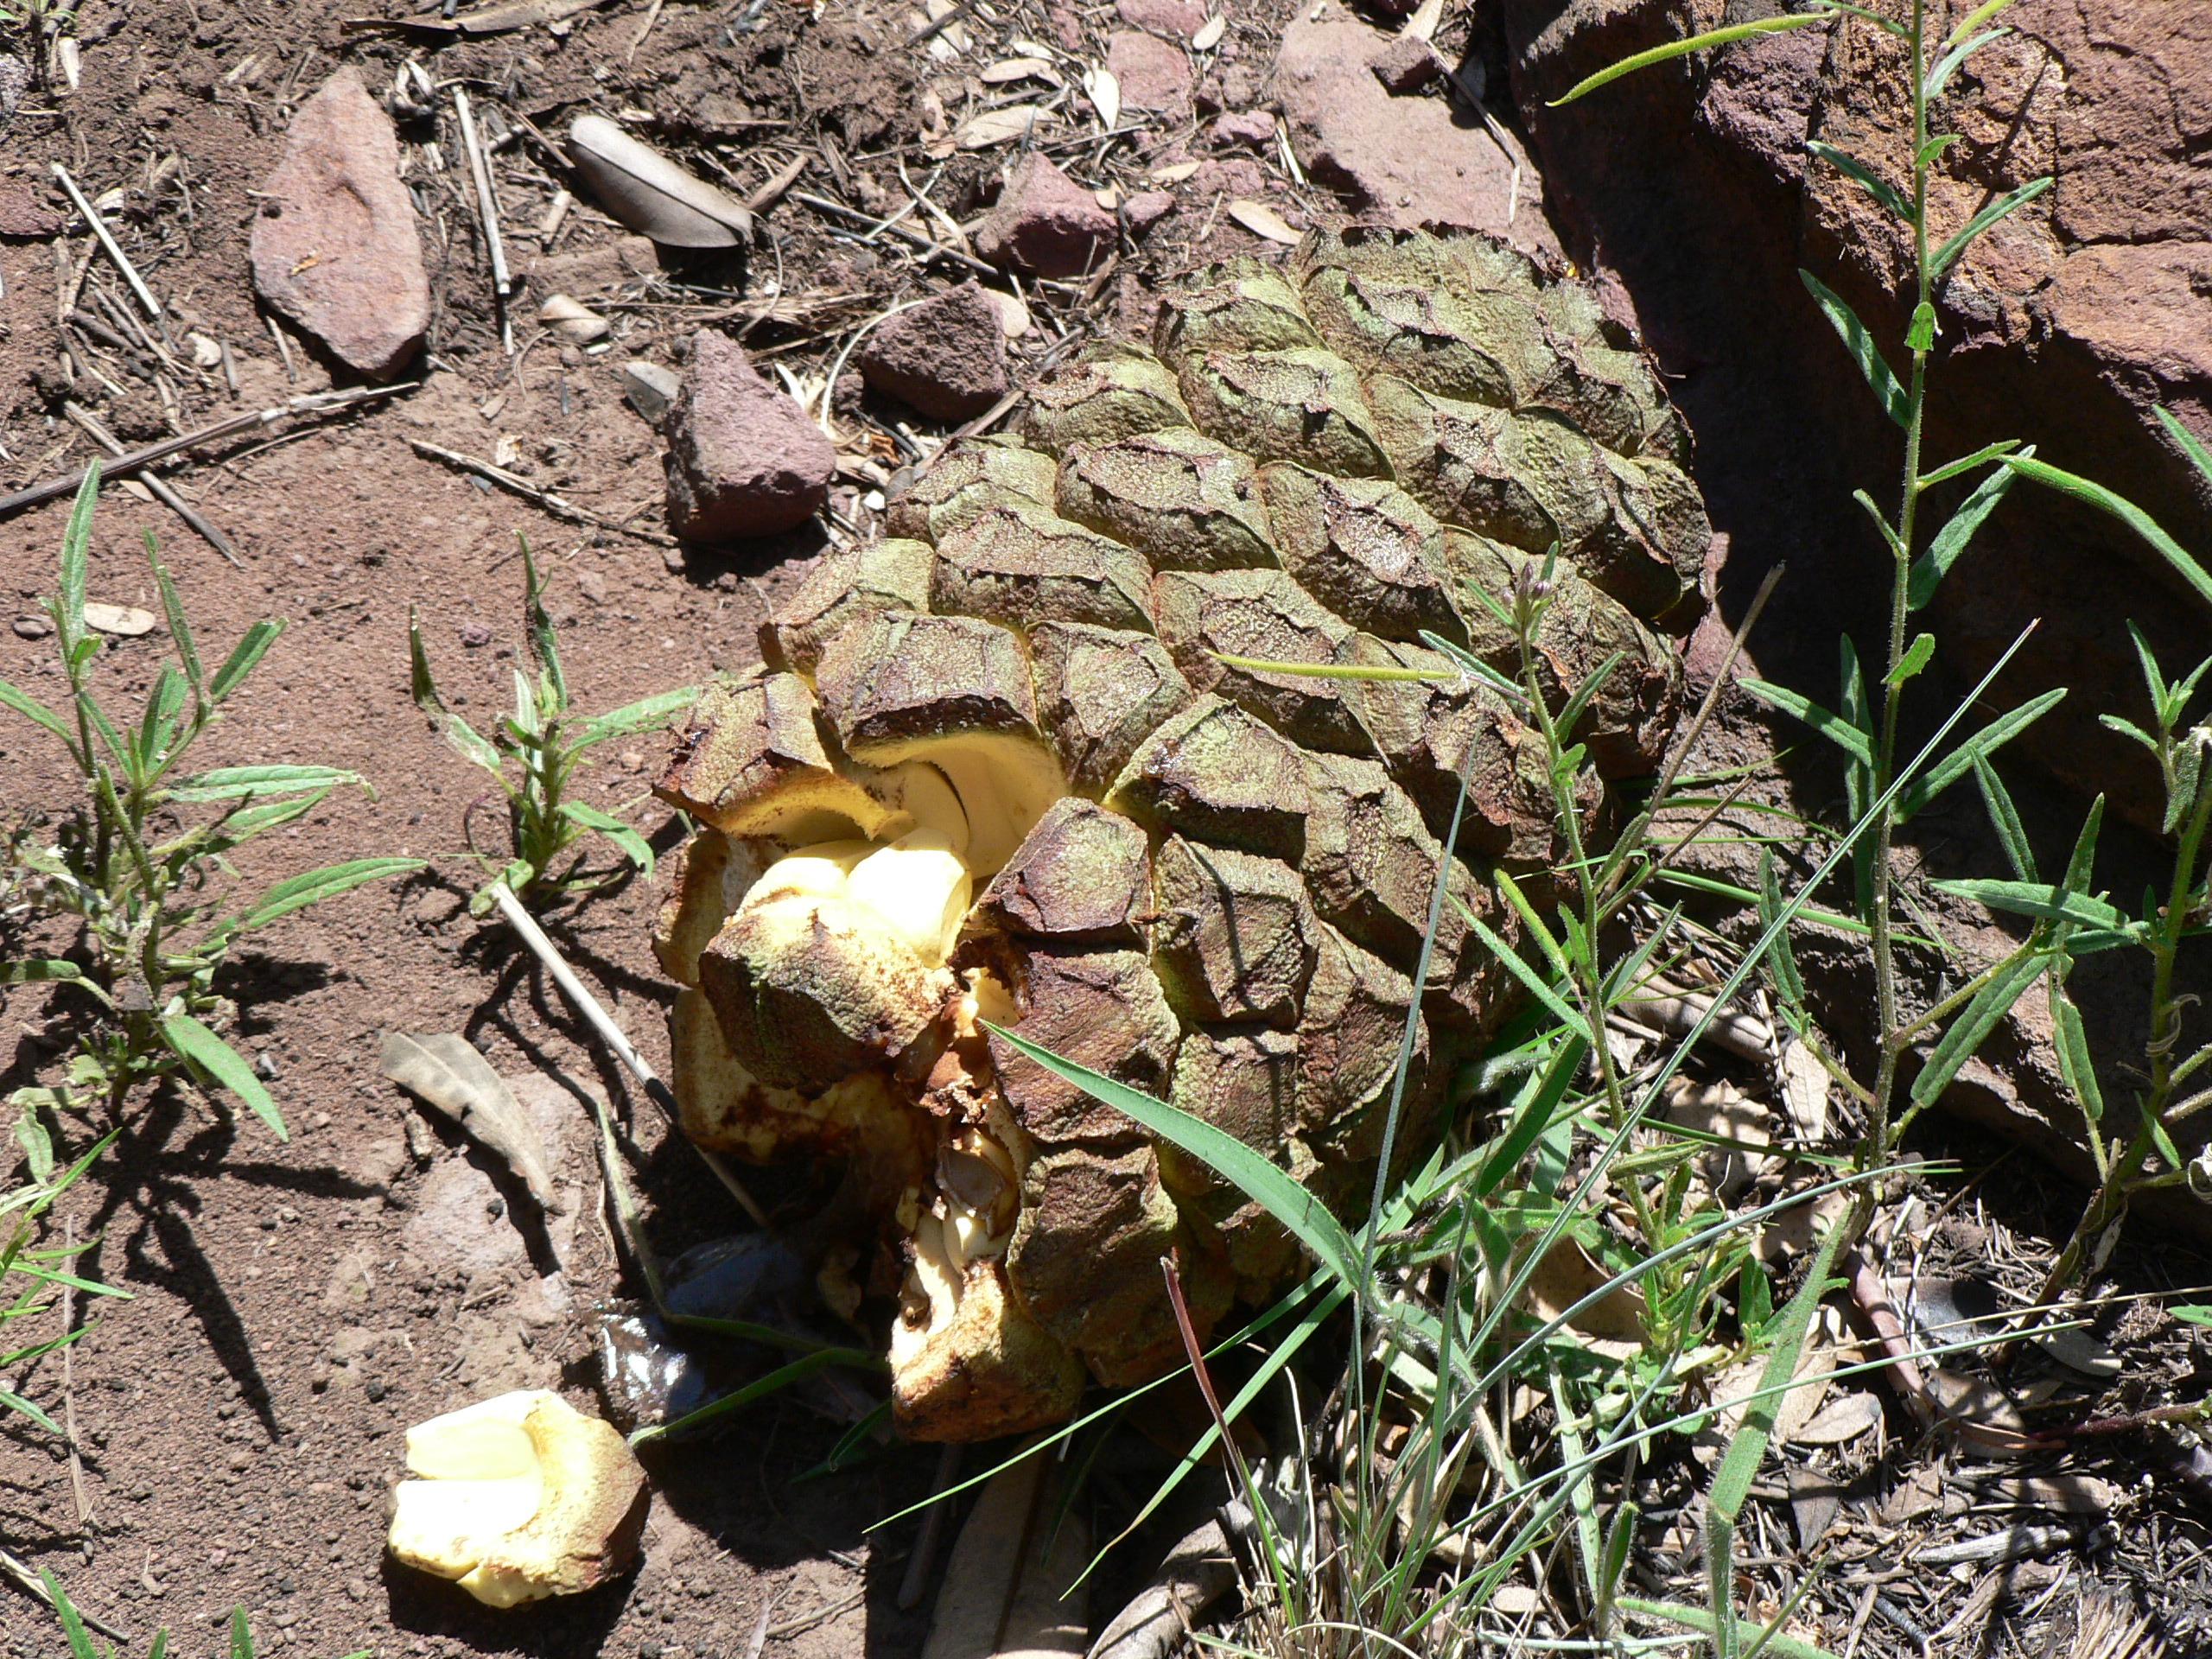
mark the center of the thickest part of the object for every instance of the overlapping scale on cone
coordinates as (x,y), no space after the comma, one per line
(1208,881)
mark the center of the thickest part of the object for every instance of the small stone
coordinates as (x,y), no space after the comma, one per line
(946,357)
(1178,19)
(475,635)
(1067,27)
(743,459)
(23,212)
(1406,65)
(631,760)
(356,1590)
(1044,222)
(32,627)
(1145,209)
(334,246)
(1253,127)
(592,586)
(1153,75)
(651,389)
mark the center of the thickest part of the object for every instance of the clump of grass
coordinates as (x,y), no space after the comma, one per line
(146,875)
(532,754)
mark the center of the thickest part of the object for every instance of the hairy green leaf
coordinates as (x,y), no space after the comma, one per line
(30,709)
(634,846)
(2072,1043)
(1969,1030)
(2010,202)
(1534,982)
(1865,176)
(638,716)
(1916,656)
(313,886)
(234,783)
(1829,724)
(1781,959)
(2037,899)
(2005,817)
(76,539)
(1939,76)
(206,1051)
(1931,566)
(243,659)
(180,627)
(1985,742)
(1896,403)
(1967,463)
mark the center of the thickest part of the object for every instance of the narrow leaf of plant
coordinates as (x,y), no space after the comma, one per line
(194,1042)
(1860,344)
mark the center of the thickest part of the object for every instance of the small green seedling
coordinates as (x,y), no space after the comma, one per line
(152,890)
(547,740)
(80,1640)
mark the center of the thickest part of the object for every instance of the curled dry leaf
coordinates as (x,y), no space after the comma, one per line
(1175,172)
(1105,93)
(444,1071)
(1805,1090)
(1209,33)
(1843,1420)
(1000,126)
(1262,221)
(127,620)
(1010,1590)
(572,320)
(1010,69)
(1013,315)
(652,194)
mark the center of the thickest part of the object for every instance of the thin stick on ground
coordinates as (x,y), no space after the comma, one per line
(526,928)
(545,498)
(69,1396)
(154,483)
(27,1582)
(487,209)
(314,403)
(114,248)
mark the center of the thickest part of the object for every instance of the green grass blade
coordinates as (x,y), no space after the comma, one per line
(1939,77)
(2192,445)
(1931,566)
(313,886)
(17,1402)
(245,656)
(797,1371)
(241,1636)
(545,644)
(1531,980)
(1305,1216)
(1860,344)
(1988,452)
(1696,1619)
(2010,202)
(203,1049)
(1540,1099)
(2127,511)
(72,1628)
(1974,19)
(1781,959)
(1747,1448)
(1629,66)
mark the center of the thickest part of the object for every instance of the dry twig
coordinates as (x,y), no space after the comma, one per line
(545,498)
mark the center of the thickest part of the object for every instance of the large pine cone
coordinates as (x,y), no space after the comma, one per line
(994,769)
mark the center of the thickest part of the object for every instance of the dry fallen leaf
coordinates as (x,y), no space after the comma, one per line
(1262,221)
(572,320)
(1845,1419)
(1209,33)
(1000,126)
(1013,315)
(1010,1586)
(444,1071)
(1105,94)
(1612,1324)
(127,620)
(652,194)
(1723,1110)
(1805,1090)
(1008,69)
(1175,172)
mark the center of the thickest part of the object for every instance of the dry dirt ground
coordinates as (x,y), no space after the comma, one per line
(295,1308)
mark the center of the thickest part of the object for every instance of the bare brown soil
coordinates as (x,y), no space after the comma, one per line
(295,1308)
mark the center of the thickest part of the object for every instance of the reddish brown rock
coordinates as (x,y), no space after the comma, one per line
(335,245)
(1045,222)
(1153,74)
(1408,65)
(23,212)
(743,459)
(1145,209)
(945,358)
(1178,20)
(1253,127)
(1413,162)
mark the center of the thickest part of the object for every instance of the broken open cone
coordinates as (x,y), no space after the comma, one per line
(519,1498)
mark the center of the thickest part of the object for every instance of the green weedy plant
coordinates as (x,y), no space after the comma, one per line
(39,1270)
(547,740)
(82,1647)
(150,888)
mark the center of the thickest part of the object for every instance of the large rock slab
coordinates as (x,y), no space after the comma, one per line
(1688,191)
(743,459)
(334,246)
(1411,161)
